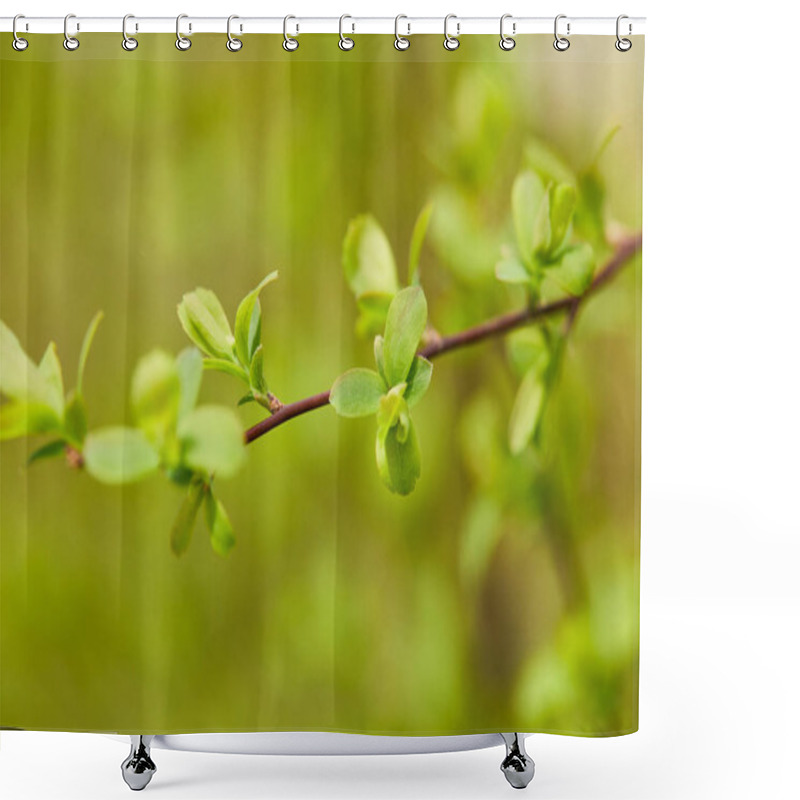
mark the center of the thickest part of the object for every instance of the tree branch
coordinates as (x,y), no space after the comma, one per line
(496,326)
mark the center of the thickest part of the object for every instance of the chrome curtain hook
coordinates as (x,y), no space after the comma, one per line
(233,44)
(70,42)
(560,43)
(400,42)
(181,42)
(18,43)
(128,42)
(507,42)
(623,45)
(451,42)
(345,42)
(290,44)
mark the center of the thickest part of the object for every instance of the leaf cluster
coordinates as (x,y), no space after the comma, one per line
(238,352)
(543,215)
(36,403)
(370,268)
(191,444)
(397,384)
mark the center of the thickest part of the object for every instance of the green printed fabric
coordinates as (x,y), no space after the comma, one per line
(320,386)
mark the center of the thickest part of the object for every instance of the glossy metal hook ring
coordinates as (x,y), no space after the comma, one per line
(401,42)
(623,45)
(560,43)
(233,44)
(181,42)
(18,43)
(451,42)
(345,42)
(290,44)
(128,42)
(507,42)
(70,42)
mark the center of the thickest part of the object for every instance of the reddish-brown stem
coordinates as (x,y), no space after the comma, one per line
(496,326)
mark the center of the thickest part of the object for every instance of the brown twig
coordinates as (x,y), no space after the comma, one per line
(496,326)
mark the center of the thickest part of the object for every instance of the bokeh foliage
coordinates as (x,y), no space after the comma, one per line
(502,594)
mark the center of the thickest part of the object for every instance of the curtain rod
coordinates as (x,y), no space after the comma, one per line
(407,26)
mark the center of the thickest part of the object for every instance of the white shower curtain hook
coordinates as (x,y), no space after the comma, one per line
(345,42)
(400,42)
(128,42)
(70,42)
(290,44)
(181,42)
(623,45)
(507,42)
(561,44)
(233,44)
(18,43)
(451,42)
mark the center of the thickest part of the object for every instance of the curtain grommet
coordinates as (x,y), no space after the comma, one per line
(233,44)
(401,43)
(451,42)
(17,42)
(71,43)
(181,42)
(346,43)
(290,43)
(507,42)
(561,43)
(129,43)
(623,45)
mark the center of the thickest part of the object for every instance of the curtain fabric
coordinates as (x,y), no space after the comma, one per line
(446,544)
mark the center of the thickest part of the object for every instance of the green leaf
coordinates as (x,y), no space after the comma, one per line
(219,526)
(357,393)
(26,419)
(248,398)
(213,441)
(156,395)
(75,418)
(49,450)
(405,325)
(547,163)
(527,196)
(183,526)
(398,457)
(419,378)
(379,362)
(367,258)
(417,238)
(255,330)
(86,346)
(373,308)
(528,348)
(392,407)
(245,334)
(589,217)
(542,233)
(189,366)
(228,367)
(257,380)
(562,206)
(526,413)
(119,455)
(20,378)
(512,270)
(204,321)
(50,370)
(575,270)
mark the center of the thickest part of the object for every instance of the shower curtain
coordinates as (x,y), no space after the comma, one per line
(320,379)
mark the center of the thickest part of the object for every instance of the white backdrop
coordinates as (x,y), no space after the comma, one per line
(721,437)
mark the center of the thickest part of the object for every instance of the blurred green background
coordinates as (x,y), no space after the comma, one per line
(503,593)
